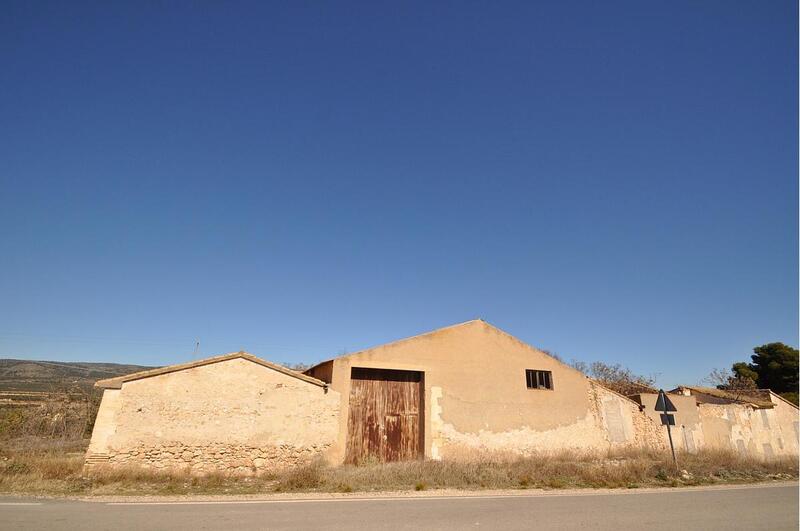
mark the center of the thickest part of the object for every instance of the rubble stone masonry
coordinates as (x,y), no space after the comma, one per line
(201,459)
(233,416)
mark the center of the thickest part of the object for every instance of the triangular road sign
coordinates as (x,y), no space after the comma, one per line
(663,403)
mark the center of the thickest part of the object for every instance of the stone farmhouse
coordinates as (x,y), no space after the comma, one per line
(449,393)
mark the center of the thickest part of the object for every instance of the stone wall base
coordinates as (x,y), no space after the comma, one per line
(241,460)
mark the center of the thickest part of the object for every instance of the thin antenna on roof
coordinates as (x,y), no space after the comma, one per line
(196,348)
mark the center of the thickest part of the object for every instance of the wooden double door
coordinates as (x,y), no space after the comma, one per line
(386,415)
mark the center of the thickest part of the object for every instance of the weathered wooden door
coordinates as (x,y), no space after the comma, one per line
(385,420)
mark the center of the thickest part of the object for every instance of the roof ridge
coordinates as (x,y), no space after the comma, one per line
(116,382)
(401,340)
(476,320)
(771,393)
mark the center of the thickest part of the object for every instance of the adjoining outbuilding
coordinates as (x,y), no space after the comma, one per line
(233,413)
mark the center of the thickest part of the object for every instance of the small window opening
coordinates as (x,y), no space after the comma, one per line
(538,379)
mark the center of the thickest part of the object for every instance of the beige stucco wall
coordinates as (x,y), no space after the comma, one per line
(476,396)
(786,417)
(235,415)
(757,432)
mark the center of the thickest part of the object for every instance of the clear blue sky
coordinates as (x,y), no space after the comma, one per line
(612,181)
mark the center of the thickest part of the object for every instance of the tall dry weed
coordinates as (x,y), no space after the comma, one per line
(59,469)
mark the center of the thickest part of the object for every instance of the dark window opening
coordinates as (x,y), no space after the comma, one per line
(538,379)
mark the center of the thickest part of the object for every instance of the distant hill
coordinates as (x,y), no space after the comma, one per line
(29,378)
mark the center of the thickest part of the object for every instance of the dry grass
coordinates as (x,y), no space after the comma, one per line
(38,466)
(556,470)
(65,415)
(27,468)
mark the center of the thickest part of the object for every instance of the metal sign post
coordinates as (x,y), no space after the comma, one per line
(664,404)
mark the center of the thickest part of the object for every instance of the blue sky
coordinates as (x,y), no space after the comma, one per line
(611,181)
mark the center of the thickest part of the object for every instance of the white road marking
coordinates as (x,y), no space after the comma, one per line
(320,500)
(20,503)
(454,497)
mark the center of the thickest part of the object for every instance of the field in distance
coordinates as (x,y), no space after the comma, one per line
(23,382)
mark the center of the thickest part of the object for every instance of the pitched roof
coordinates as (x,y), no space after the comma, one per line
(758,398)
(774,395)
(458,325)
(392,343)
(629,398)
(116,383)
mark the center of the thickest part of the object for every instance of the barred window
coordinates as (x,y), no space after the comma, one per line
(538,379)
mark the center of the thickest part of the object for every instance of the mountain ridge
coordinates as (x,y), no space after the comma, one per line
(52,376)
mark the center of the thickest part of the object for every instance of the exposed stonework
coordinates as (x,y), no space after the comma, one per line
(231,415)
(638,429)
(233,459)
(763,433)
(765,429)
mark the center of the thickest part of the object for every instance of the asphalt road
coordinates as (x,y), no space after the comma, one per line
(767,507)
